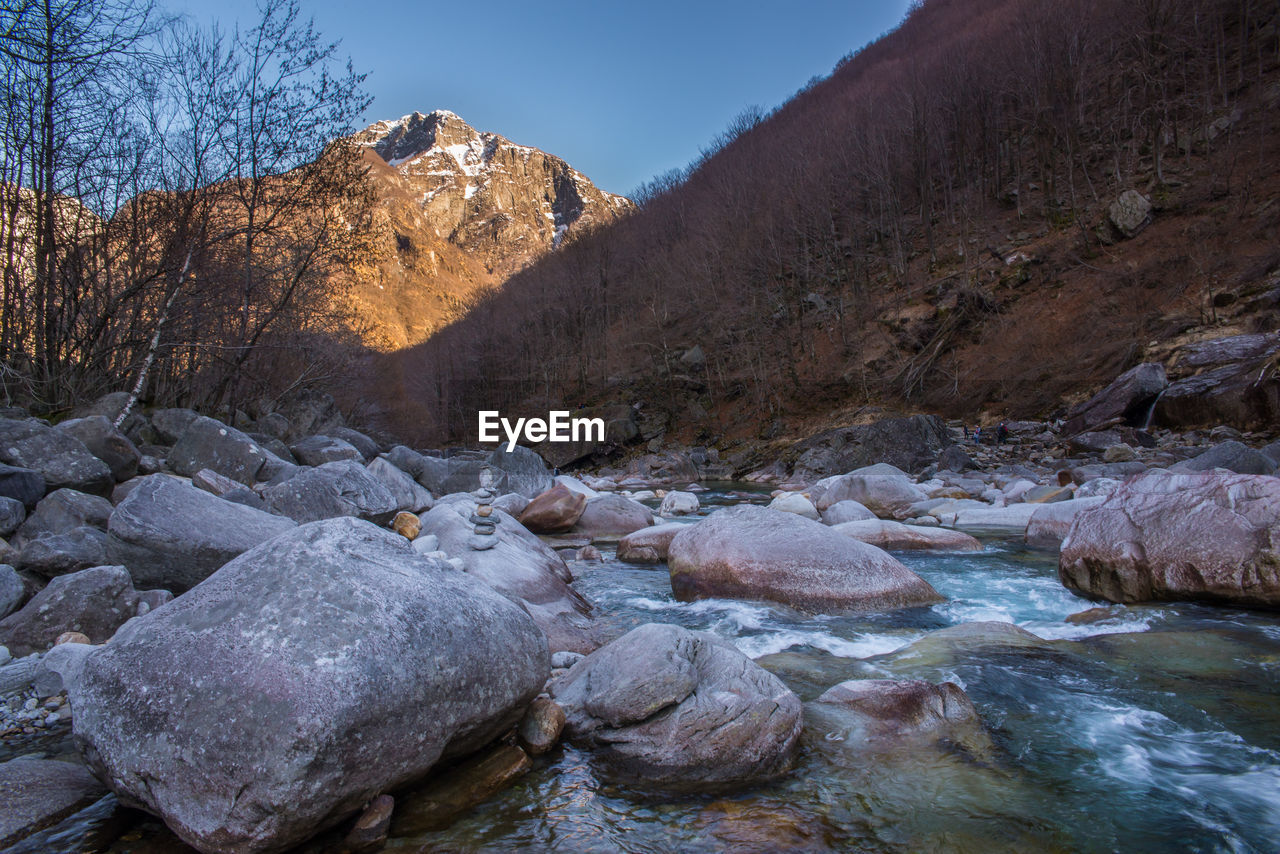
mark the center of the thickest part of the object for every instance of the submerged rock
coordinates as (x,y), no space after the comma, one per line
(298,682)
(649,545)
(889,708)
(1210,536)
(665,707)
(752,552)
(445,797)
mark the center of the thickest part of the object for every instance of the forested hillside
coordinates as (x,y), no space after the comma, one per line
(941,224)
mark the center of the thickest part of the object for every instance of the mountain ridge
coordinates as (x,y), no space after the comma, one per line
(460,211)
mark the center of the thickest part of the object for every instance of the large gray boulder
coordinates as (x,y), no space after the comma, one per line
(21,484)
(106,443)
(62,510)
(12,515)
(445,476)
(94,601)
(895,536)
(519,566)
(1051,523)
(408,461)
(334,489)
(57,554)
(318,450)
(407,492)
(1231,455)
(527,473)
(210,444)
(749,552)
(1210,536)
(1130,213)
(61,459)
(38,793)
(12,591)
(1128,398)
(669,708)
(883,493)
(845,510)
(170,424)
(910,444)
(172,535)
(1232,384)
(367,447)
(611,517)
(298,682)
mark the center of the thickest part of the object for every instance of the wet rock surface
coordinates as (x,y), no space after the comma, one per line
(668,708)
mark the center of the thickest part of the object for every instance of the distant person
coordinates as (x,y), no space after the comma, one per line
(965,427)
(977,435)
(1002,434)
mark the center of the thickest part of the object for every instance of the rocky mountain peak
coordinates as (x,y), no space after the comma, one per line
(485,193)
(467,206)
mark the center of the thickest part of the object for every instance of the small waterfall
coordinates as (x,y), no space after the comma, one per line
(1151,410)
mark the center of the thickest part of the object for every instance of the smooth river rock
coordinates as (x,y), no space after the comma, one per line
(1211,536)
(649,545)
(300,681)
(668,708)
(749,552)
(612,517)
(895,536)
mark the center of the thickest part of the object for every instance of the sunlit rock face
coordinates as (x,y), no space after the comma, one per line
(502,201)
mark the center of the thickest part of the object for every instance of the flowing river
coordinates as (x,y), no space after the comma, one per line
(1140,729)
(1152,729)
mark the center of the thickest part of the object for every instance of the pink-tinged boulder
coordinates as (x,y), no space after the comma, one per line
(1212,536)
(554,511)
(649,545)
(306,677)
(666,708)
(612,517)
(1050,523)
(884,494)
(895,536)
(749,552)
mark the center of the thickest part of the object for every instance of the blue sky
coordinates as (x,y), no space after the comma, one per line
(623,91)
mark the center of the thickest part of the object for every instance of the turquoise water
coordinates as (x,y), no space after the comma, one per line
(1151,729)
(1143,729)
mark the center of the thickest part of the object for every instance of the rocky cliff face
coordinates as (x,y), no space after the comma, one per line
(461,210)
